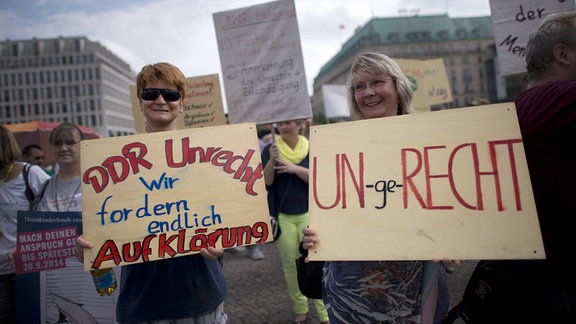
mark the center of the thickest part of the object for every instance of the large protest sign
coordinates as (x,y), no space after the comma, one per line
(429,82)
(513,22)
(335,104)
(262,65)
(451,183)
(168,194)
(202,106)
(51,285)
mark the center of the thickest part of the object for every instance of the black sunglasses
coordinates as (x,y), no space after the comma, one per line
(153,93)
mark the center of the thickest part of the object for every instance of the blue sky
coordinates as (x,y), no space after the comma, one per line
(182,31)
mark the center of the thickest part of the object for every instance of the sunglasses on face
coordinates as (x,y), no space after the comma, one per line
(153,93)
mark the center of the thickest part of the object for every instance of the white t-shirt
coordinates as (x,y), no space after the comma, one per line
(13,199)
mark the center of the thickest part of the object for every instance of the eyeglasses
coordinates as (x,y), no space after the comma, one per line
(153,93)
(41,157)
(375,84)
(69,142)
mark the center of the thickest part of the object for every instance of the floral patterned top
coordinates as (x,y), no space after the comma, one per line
(373,291)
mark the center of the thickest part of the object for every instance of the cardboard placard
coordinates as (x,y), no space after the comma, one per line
(262,64)
(167,194)
(451,183)
(514,21)
(429,81)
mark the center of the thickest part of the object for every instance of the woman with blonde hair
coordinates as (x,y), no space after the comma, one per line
(381,291)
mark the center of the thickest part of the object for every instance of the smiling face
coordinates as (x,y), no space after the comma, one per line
(375,95)
(161,114)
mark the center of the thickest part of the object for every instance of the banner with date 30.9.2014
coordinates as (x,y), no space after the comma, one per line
(51,284)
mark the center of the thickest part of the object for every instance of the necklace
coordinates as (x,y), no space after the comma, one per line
(7,173)
(71,197)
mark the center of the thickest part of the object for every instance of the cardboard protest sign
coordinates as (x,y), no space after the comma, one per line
(429,81)
(51,285)
(451,183)
(202,106)
(168,194)
(514,21)
(262,64)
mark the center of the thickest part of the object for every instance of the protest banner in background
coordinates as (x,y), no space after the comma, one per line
(451,183)
(429,82)
(202,106)
(51,284)
(514,21)
(168,194)
(262,64)
(335,104)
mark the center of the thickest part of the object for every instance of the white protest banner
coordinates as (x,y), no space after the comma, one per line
(451,183)
(203,105)
(168,194)
(262,65)
(514,21)
(335,104)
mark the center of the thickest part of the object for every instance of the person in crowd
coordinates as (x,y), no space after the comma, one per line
(266,133)
(12,199)
(187,289)
(62,193)
(309,122)
(286,172)
(34,154)
(378,88)
(545,290)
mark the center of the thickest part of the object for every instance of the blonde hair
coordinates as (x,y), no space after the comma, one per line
(10,150)
(376,64)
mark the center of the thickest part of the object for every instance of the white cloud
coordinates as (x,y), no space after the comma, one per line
(182,31)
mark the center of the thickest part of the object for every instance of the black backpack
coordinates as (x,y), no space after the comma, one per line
(32,198)
(28,191)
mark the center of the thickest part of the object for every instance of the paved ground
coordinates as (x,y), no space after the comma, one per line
(257,292)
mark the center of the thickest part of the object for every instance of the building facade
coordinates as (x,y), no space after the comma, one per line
(66,79)
(466,45)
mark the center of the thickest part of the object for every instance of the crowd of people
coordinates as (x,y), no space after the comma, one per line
(193,289)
